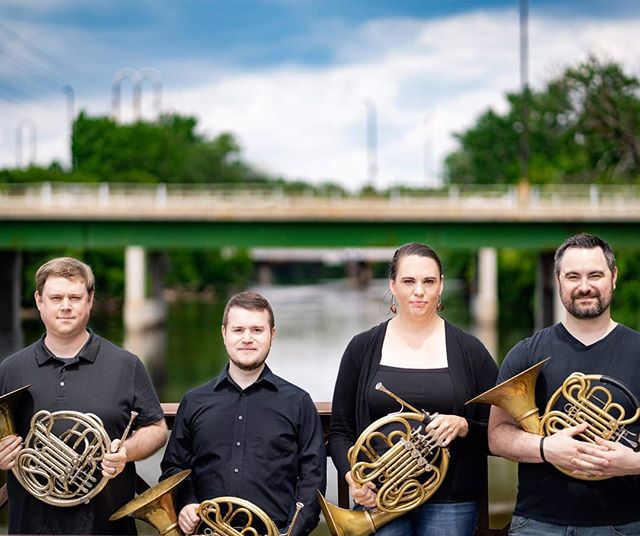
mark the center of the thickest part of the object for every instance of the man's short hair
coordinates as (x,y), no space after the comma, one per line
(584,241)
(66,267)
(252,301)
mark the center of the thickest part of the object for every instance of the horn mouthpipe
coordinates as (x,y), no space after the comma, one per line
(125,434)
(381,387)
(299,506)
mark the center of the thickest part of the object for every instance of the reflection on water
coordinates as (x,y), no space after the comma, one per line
(314,323)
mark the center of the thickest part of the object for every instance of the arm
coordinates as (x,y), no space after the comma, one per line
(10,447)
(485,372)
(607,459)
(179,456)
(144,442)
(342,429)
(152,432)
(479,374)
(508,440)
(312,468)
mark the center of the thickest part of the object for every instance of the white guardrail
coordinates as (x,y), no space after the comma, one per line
(192,199)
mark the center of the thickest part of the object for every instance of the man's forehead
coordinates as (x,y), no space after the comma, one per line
(67,283)
(583,259)
(239,315)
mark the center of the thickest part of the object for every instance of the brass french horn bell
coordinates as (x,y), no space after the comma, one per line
(8,402)
(517,396)
(221,516)
(583,403)
(156,506)
(408,473)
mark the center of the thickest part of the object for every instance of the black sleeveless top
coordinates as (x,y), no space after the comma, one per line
(430,390)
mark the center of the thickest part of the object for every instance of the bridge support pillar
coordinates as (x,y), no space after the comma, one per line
(359,273)
(546,306)
(11,336)
(485,309)
(141,312)
(264,274)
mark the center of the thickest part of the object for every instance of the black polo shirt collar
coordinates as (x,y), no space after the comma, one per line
(266,377)
(88,352)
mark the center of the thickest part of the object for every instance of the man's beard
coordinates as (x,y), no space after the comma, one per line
(253,365)
(583,312)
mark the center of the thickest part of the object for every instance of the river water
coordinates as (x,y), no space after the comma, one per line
(313,325)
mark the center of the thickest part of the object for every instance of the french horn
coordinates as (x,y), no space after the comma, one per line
(583,398)
(407,473)
(156,506)
(61,470)
(223,516)
(233,516)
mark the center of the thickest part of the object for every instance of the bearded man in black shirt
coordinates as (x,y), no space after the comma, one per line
(587,340)
(248,433)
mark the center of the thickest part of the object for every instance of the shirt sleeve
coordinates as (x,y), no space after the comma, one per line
(312,467)
(177,457)
(145,400)
(485,371)
(515,361)
(342,430)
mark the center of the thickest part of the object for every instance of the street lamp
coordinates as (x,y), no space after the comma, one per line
(26,126)
(126,73)
(524,84)
(372,142)
(156,86)
(136,78)
(71,114)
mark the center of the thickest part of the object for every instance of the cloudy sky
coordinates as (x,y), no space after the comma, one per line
(296,81)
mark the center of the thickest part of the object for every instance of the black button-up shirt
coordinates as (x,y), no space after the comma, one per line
(264,444)
(102,379)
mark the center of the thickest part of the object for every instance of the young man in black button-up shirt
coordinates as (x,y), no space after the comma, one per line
(71,368)
(248,433)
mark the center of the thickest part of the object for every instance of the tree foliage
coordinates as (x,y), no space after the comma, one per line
(583,127)
(168,151)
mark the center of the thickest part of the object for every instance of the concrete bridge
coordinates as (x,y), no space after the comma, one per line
(152,218)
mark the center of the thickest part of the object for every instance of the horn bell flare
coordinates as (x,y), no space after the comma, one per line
(517,396)
(345,522)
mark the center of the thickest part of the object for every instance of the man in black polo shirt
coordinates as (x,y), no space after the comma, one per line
(71,368)
(587,340)
(248,433)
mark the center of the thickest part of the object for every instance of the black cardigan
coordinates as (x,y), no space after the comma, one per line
(472,371)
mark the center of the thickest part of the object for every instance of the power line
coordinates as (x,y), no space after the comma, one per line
(62,66)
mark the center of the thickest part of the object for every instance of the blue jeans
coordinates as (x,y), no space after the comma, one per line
(434,519)
(523,526)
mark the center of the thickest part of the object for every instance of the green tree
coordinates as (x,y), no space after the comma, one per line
(167,151)
(584,127)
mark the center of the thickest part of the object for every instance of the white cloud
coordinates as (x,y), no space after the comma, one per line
(426,78)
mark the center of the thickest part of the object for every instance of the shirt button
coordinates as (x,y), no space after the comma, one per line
(239,417)
(62,383)
(238,443)
(235,470)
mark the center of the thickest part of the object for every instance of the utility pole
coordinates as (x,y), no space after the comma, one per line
(372,142)
(71,115)
(523,187)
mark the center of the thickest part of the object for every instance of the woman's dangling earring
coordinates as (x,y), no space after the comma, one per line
(440,306)
(393,307)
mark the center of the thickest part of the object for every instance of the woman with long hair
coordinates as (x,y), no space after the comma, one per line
(432,365)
